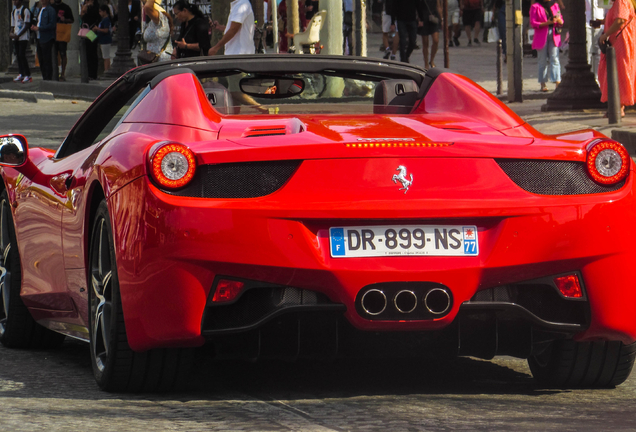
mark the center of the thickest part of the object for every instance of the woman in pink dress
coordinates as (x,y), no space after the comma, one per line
(546,19)
(620,29)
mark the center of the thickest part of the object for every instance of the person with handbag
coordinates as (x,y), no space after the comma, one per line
(620,32)
(46,28)
(430,27)
(546,19)
(65,20)
(20,22)
(195,37)
(156,34)
(91,18)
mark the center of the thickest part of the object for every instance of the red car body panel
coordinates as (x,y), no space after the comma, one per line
(170,249)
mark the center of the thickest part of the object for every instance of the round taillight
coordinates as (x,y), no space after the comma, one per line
(607,161)
(173,165)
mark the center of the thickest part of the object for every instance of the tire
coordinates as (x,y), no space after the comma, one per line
(569,364)
(18,329)
(116,367)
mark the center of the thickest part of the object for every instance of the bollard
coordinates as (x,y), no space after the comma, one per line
(499,67)
(83,61)
(613,90)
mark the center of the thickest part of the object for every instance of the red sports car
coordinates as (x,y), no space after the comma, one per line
(317,206)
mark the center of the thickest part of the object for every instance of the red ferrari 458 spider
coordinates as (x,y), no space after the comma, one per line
(317,206)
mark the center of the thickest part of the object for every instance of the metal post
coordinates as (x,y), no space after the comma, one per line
(83,61)
(293,23)
(499,67)
(446,38)
(273,6)
(123,61)
(518,51)
(613,89)
(360,28)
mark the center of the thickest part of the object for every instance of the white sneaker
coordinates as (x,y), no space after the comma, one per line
(27,80)
(18,78)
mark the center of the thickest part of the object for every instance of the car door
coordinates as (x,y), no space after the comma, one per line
(38,216)
(76,167)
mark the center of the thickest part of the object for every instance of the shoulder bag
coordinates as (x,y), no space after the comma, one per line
(146,56)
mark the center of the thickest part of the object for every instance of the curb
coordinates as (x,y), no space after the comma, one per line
(28,96)
(627,137)
(70,90)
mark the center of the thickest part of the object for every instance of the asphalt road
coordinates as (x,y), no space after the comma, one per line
(54,390)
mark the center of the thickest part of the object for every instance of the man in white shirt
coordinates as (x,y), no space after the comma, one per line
(20,22)
(594,16)
(238,37)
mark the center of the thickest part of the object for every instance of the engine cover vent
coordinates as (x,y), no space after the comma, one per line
(261,131)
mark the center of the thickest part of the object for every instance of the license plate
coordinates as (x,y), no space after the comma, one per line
(403,240)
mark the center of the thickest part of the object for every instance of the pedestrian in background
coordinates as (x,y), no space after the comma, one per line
(104,33)
(594,17)
(238,33)
(545,18)
(499,12)
(454,30)
(134,21)
(389,28)
(46,28)
(472,12)
(195,38)
(65,19)
(157,32)
(408,13)
(20,23)
(90,16)
(620,31)
(430,27)
(347,27)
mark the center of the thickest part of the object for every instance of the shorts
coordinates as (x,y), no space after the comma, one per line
(386,23)
(453,17)
(429,28)
(471,16)
(61,48)
(105,51)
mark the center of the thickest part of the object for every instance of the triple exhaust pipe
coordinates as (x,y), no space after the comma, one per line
(437,301)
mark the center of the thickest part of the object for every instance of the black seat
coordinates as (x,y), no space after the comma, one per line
(219,96)
(396,96)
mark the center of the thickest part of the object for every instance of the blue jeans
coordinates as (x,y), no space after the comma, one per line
(549,65)
(501,26)
(408,38)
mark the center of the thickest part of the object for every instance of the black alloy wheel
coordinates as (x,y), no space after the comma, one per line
(116,367)
(18,329)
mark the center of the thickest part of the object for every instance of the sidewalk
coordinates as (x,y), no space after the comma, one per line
(476,62)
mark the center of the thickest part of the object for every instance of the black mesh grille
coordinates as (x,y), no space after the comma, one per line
(553,177)
(239,180)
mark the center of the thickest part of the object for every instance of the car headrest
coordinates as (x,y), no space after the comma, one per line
(395,96)
(219,96)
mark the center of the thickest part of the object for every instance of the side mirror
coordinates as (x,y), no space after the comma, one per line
(13,150)
(272,87)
